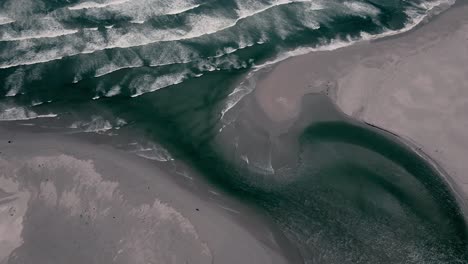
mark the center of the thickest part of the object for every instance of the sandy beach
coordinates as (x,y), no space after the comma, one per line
(413,85)
(65,200)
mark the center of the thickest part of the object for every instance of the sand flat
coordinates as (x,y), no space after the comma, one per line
(414,85)
(64,200)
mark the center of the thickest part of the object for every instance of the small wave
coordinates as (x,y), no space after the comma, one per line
(148,83)
(114,91)
(173,12)
(416,19)
(201,25)
(47,34)
(362,9)
(5,20)
(20,113)
(138,11)
(37,103)
(107,69)
(151,151)
(91,4)
(97,125)
(245,88)
(14,82)
(180,11)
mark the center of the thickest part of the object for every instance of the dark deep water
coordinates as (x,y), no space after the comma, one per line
(348,194)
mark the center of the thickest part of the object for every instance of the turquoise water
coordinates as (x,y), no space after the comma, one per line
(350,194)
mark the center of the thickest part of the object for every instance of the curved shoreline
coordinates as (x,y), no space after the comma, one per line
(433,163)
(372,83)
(83,184)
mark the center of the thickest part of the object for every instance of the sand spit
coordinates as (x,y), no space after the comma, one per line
(67,201)
(414,85)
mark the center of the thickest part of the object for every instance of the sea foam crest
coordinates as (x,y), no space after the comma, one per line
(91,4)
(362,8)
(138,10)
(37,28)
(415,19)
(149,83)
(97,125)
(15,113)
(198,25)
(4,20)
(151,151)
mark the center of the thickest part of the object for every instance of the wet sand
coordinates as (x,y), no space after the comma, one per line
(414,85)
(64,200)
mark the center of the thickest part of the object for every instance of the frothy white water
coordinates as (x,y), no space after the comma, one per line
(110,68)
(91,4)
(17,113)
(148,83)
(14,82)
(30,31)
(114,91)
(361,8)
(183,10)
(151,151)
(97,125)
(415,19)
(199,25)
(35,35)
(138,11)
(5,20)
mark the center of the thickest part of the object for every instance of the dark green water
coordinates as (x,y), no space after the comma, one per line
(347,192)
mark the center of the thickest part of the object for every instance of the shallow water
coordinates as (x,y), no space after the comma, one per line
(342,192)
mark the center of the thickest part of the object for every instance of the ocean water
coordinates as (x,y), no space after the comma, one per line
(174,70)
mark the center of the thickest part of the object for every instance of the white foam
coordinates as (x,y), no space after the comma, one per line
(236,96)
(14,82)
(20,113)
(91,4)
(34,35)
(36,103)
(97,125)
(5,20)
(151,151)
(200,25)
(416,19)
(114,91)
(110,68)
(148,83)
(362,8)
(183,10)
(139,11)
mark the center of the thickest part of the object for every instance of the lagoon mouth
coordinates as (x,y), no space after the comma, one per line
(342,191)
(378,200)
